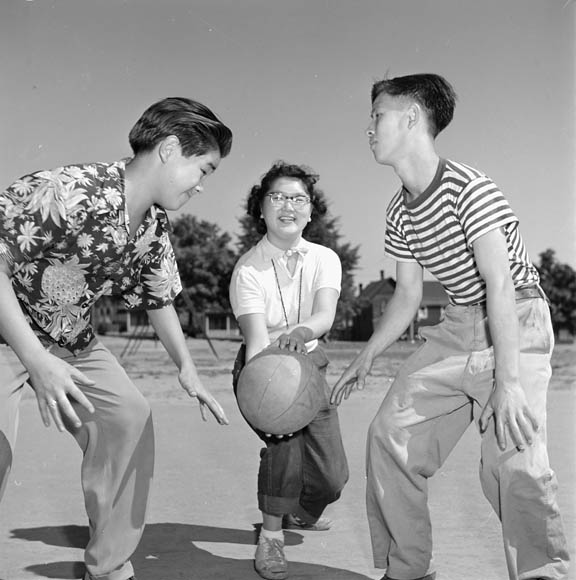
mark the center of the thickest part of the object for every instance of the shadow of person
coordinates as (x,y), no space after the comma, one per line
(169,551)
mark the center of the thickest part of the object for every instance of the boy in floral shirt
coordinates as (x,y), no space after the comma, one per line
(67,237)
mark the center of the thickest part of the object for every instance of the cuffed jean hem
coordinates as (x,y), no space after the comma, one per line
(306,517)
(278,506)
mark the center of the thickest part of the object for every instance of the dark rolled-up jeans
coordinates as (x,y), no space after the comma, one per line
(303,473)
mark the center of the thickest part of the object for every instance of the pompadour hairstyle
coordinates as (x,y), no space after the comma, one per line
(198,129)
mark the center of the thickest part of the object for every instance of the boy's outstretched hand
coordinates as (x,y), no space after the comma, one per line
(354,377)
(193,386)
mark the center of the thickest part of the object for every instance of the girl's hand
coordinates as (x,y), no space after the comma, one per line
(295,340)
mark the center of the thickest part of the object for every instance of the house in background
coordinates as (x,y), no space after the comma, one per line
(110,317)
(221,325)
(376,295)
(373,299)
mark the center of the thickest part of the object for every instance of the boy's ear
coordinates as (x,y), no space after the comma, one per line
(414,114)
(168,146)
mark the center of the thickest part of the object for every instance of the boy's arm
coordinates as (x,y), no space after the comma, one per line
(53,379)
(507,403)
(397,316)
(167,326)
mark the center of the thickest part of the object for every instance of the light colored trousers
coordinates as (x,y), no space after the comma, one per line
(424,414)
(117,442)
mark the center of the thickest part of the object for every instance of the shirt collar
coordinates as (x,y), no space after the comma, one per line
(271,251)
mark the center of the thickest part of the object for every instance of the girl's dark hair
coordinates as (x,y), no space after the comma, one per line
(282,169)
(196,126)
(431,91)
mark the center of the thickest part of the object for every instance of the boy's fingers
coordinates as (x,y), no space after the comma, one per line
(528,427)
(81,399)
(501,434)
(203,411)
(338,392)
(533,421)
(80,378)
(485,418)
(54,410)
(44,413)
(217,411)
(66,409)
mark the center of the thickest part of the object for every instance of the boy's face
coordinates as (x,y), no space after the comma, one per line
(389,121)
(184,177)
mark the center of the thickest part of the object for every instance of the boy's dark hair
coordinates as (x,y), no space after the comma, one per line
(282,169)
(196,126)
(432,92)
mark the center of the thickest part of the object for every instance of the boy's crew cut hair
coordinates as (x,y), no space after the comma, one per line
(431,91)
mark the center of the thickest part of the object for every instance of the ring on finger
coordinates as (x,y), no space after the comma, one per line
(53,404)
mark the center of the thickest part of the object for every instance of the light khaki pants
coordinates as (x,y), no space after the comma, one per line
(118,446)
(424,414)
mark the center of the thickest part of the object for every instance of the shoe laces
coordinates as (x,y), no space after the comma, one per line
(273,549)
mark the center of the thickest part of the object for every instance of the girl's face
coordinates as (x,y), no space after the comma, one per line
(286,209)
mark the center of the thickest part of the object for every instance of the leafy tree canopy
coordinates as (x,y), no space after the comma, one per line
(205,260)
(559,282)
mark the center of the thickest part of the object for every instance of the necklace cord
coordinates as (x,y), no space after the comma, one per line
(282,298)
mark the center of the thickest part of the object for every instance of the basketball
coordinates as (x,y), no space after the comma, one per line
(279,391)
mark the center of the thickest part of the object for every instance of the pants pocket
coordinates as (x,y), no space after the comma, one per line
(536,335)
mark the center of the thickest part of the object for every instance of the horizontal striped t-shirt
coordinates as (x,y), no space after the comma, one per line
(438,228)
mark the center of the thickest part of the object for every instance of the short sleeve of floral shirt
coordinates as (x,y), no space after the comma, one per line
(64,233)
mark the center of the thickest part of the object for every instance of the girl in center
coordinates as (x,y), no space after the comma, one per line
(284,291)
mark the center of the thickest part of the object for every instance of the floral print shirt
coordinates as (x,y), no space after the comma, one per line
(64,232)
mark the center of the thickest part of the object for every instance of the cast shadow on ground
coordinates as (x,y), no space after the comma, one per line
(168,552)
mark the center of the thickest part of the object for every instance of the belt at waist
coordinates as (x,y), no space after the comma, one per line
(530,292)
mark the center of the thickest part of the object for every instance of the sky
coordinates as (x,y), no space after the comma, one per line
(292,79)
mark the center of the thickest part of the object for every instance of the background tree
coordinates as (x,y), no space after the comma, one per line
(559,282)
(326,232)
(205,260)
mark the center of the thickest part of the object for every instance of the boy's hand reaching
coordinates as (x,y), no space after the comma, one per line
(353,377)
(193,386)
(55,382)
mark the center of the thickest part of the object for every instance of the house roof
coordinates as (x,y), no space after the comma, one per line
(383,287)
(433,294)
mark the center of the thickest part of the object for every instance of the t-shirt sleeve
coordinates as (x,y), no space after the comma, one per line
(33,215)
(329,274)
(246,293)
(395,245)
(159,282)
(482,208)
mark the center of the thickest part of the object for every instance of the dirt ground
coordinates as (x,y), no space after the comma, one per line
(203,512)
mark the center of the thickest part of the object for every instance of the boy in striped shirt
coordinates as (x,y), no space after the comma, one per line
(491,351)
